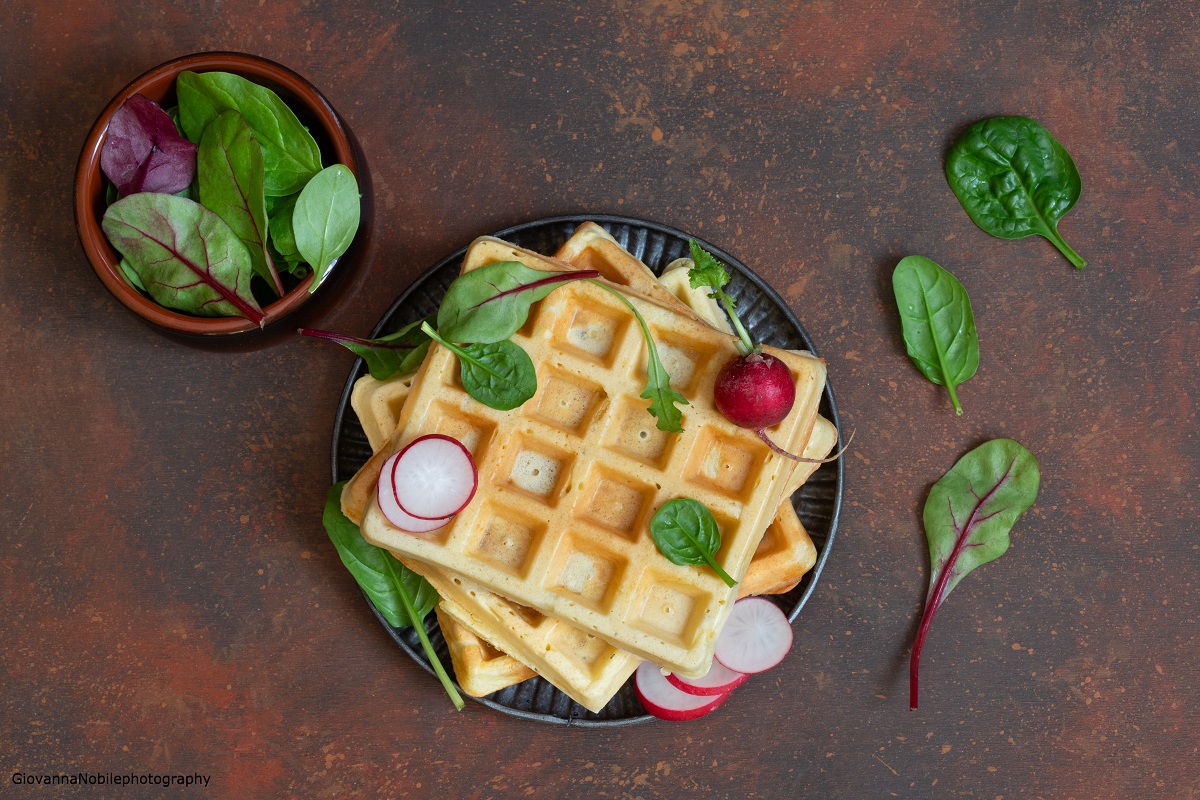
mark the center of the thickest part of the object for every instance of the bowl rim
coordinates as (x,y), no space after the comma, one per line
(103,257)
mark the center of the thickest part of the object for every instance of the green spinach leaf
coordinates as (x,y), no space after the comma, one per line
(968,516)
(402,596)
(937,323)
(398,353)
(290,153)
(184,254)
(326,218)
(1015,180)
(498,374)
(283,236)
(685,531)
(663,399)
(229,171)
(491,303)
(131,274)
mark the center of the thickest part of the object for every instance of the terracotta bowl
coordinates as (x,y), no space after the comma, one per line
(337,146)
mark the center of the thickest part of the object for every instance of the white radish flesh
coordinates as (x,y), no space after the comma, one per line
(385,492)
(664,701)
(719,679)
(435,477)
(755,638)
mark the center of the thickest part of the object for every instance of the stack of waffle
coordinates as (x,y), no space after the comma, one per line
(551,569)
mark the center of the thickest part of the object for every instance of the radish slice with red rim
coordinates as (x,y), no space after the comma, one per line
(755,638)
(385,493)
(664,701)
(435,477)
(719,679)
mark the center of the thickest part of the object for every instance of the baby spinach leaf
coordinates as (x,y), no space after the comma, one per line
(491,303)
(663,399)
(398,353)
(403,597)
(498,374)
(326,218)
(186,256)
(685,531)
(143,151)
(1014,180)
(229,164)
(707,271)
(968,516)
(290,154)
(283,236)
(938,326)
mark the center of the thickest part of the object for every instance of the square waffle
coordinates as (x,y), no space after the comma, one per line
(568,482)
(492,640)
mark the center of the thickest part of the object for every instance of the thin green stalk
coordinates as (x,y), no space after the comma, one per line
(746,346)
(419,626)
(458,351)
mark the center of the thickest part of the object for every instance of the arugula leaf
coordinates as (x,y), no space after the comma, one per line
(498,374)
(229,167)
(968,516)
(326,218)
(403,597)
(707,271)
(663,399)
(395,354)
(937,323)
(491,303)
(1015,180)
(685,531)
(290,153)
(184,254)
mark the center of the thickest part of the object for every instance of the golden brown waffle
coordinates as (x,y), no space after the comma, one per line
(479,668)
(589,674)
(568,483)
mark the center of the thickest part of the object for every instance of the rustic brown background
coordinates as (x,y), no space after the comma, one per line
(171,602)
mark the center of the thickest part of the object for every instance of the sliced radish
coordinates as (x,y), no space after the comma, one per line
(756,636)
(664,701)
(435,477)
(720,679)
(385,492)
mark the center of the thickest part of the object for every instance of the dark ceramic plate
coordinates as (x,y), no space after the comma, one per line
(768,320)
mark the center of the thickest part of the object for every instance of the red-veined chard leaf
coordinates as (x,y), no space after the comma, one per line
(397,353)
(185,255)
(326,218)
(290,154)
(403,597)
(229,165)
(1015,180)
(491,303)
(968,516)
(143,151)
(937,323)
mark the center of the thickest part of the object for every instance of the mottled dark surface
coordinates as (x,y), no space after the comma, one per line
(171,602)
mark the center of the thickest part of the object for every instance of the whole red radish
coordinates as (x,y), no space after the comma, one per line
(755,390)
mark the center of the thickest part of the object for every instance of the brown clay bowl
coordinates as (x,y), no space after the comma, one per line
(337,146)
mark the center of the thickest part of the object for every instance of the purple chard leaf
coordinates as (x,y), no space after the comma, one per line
(143,151)
(186,256)
(967,519)
(230,164)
